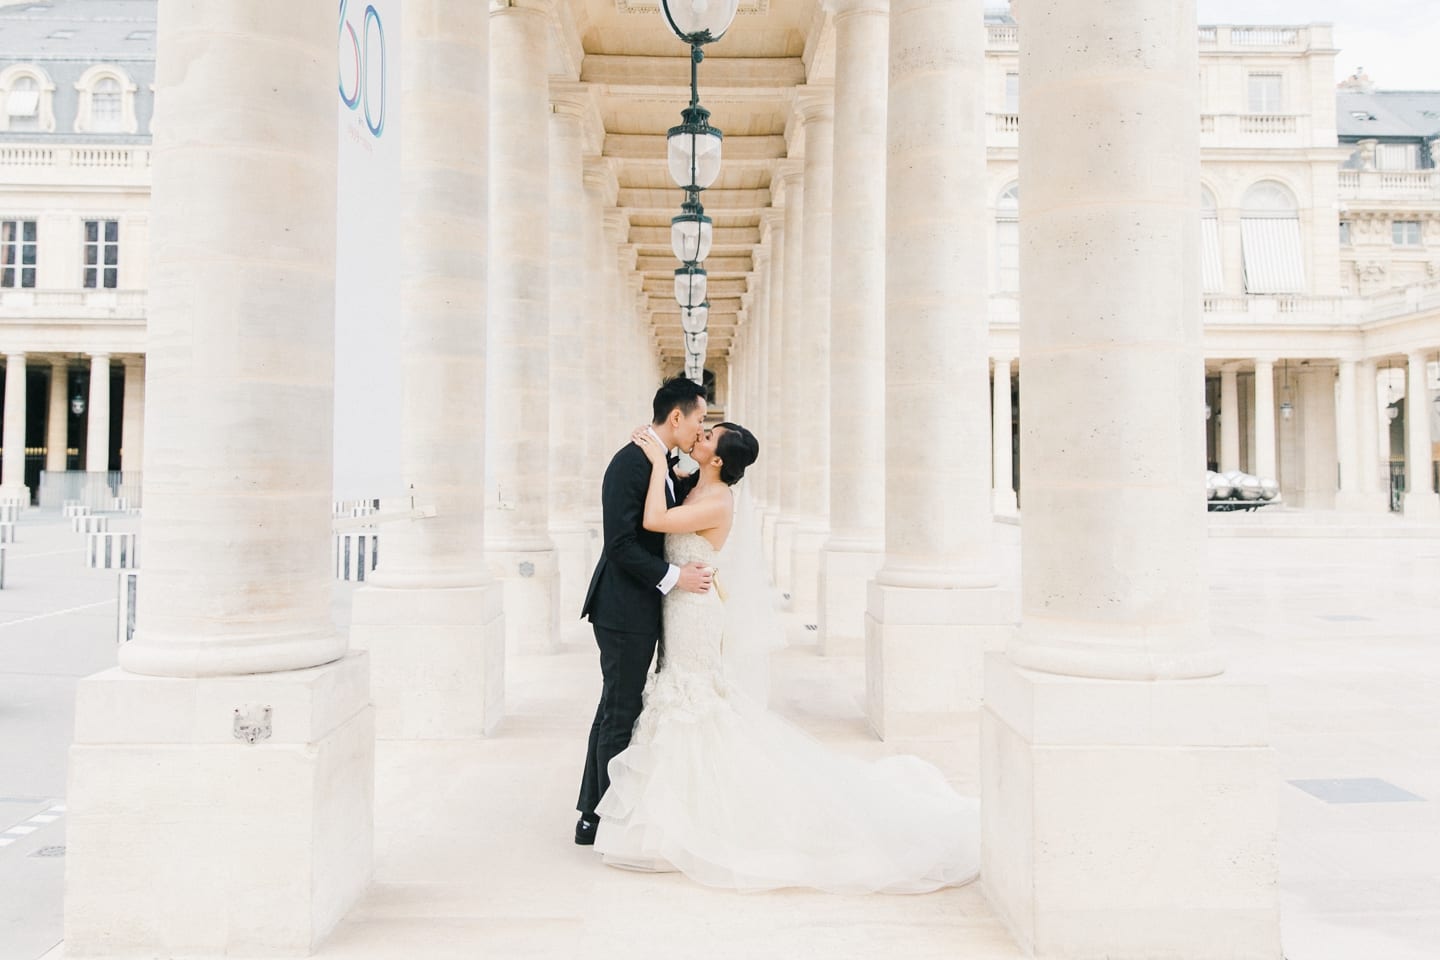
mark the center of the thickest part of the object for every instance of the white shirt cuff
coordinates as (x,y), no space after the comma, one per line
(671,578)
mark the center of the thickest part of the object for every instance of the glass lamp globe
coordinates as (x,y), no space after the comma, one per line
(695,319)
(700,21)
(693,149)
(690,285)
(691,234)
(696,343)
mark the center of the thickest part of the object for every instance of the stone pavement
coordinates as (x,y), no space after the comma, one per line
(473,854)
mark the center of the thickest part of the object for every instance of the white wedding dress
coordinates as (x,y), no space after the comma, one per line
(719,788)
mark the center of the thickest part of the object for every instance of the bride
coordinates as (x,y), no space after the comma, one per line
(719,788)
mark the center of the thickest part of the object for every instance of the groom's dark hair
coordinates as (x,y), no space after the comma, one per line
(677,392)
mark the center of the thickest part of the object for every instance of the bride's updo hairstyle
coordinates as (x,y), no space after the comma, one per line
(737,448)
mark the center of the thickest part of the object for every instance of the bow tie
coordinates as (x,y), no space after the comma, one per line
(672,461)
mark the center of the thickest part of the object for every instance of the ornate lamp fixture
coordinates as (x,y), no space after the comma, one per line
(1287,409)
(693,151)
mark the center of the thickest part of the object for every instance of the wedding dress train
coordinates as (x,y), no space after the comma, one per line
(718,787)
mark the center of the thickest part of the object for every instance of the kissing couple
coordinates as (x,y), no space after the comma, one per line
(687,769)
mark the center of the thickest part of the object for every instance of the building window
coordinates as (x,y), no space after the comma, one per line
(1012,92)
(1212,270)
(102,254)
(1344,233)
(107,101)
(1397,156)
(28,107)
(1266,91)
(1270,240)
(1007,241)
(17,253)
(1405,233)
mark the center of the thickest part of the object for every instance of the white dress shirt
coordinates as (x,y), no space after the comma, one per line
(672,576)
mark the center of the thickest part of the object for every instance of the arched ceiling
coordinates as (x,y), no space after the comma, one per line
(638,75)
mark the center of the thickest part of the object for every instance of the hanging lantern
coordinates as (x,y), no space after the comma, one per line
(690,283)
(693,149)
(699,22)
(692,233)
(695,343)
(695,319)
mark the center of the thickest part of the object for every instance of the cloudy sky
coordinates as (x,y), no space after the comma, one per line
(1394,40)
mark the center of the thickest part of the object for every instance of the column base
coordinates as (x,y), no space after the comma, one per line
(19,494)
(1004,504)
(843,576)
(1349,502)
(924,654)
(531,581)
(183,840)
(1129,820)
(437,659)
(784,557)
(805,571)
(767,539)
(572,557)
(1421,506)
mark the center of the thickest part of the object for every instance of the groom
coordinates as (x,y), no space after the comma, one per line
(623,602)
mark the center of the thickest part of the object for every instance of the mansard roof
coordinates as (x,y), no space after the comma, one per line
(1396,114)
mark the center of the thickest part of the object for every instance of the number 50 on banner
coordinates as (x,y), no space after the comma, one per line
(367,78)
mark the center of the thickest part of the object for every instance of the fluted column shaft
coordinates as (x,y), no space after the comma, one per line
(1264,466)
(1002,437)
(97,415)
(519,388)
(569,305)
(12,468)
(817,111)
(1420,497)
(238,575)
(938,510)
(857,288)
(797,356)
(598,324)
(1111,593)
(57,421)
(775,419)
(1229,417)
(442,297)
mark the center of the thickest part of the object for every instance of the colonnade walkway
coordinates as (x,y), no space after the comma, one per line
(473,853)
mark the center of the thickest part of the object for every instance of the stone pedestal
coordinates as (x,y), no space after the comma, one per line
(531,579)
(437,658)
(924,655)
(804,587)
(573,565)
(1129,820)
(845,570)
(783,569)
(179,834)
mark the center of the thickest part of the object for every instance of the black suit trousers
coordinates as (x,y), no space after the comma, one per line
(624,663)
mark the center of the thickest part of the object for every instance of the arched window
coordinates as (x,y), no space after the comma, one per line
(1212,269)
(27,100)
(1007,240)
(1270,240)
(107,101)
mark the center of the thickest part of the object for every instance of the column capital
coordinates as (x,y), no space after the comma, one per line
(1003,358)
(628,254)
(600,177)
(133,360)
(789,171)
(99,358)
(772,223)
(843,9)
(575,101)
(17,356)
(815,102)
(617,225)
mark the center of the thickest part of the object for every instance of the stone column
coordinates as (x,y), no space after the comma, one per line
(1265,467)
(520,550)
(57,420)
(856,469)
(1114,640)
(757,375)
(259,847)
(569,309)
(774,442)
(1347,440)
(1002,436)
(797,359)
(600,189)
(97,415)
(430,614)
(12,468)
(620,336)
(1315,435)
(1229,417)
(132,426)
(934,607)
(1374,495)
(817,113)
(1420,498)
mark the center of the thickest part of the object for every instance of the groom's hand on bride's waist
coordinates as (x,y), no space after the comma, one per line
(695,577)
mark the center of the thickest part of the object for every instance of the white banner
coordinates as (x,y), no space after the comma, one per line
(367,264)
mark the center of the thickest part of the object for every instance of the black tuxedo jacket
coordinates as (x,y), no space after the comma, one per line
(624,592)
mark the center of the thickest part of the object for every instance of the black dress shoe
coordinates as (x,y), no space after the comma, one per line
(585,830)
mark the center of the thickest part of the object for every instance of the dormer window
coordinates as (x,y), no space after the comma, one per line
(107,102)
(26,100)
(1361,115)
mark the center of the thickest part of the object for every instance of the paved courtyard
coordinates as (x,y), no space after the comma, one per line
(1340,616)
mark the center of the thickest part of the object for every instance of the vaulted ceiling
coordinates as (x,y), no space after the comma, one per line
(639,75)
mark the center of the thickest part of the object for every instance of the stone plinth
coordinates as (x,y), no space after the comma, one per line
(183,840)
(924,654)
(845,570)
(1130,820)
(438,659)
(531,579)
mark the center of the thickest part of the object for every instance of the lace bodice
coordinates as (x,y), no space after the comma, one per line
(693,621)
